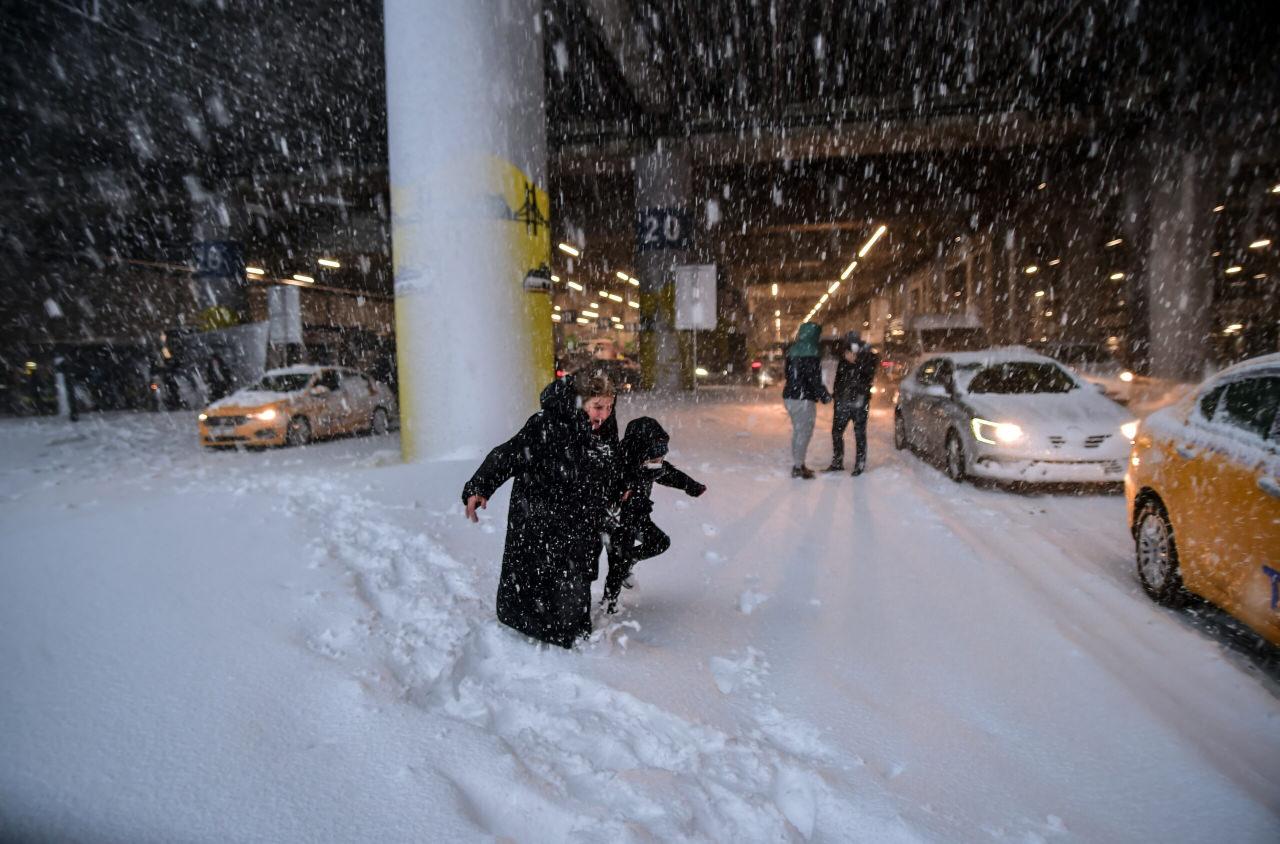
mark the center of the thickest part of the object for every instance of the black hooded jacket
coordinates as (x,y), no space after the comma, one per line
(565,480)
(646,440)
(853,380)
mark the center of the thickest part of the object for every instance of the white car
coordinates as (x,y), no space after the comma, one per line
(1010,414)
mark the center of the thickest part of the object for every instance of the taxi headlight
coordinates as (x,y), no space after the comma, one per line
(265,415)
(986,431)
(203,416)
(1130,429)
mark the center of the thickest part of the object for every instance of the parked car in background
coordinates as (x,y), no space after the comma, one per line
(294,405)
(1013,415)
(1203,494)
(1095,363)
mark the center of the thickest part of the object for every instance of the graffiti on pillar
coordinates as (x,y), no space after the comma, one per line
(662,228)
(530,211)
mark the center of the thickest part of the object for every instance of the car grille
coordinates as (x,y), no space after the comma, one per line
(1089,442)
(226,421)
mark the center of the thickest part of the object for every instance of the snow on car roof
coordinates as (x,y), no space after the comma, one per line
(999,354)
(1271,361)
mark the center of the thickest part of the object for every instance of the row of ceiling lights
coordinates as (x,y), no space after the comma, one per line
(328,263)
(589,315)
(835,285)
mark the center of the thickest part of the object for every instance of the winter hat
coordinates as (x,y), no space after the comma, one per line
(853,338)
(806,342)
(645,439)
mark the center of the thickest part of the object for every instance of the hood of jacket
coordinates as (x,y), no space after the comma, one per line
(645,440)
(806,342)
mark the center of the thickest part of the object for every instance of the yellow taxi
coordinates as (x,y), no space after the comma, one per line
(1203,494)
(294,405)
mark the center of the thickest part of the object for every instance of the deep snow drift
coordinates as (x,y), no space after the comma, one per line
(299,645)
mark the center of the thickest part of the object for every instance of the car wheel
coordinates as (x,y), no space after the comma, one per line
(378,425)
(1157,556)
(955,457)
(299,432)
(899,432)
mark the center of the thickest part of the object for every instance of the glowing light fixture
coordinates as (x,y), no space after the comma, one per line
(773,288)
(329,262)
(1126,376)
(614,297)
(848,271)
(573,285)
(620,274)
(255,270)
(1260,244)
(1218,208)
(1275,189)
(1116,276)
(583,320)
(1039,293)
(1042,186)
(568,250)
(835,285)
(1232,270)
(631,304)
(1055,262)
(1032,270)
(304,278)
(1233,328)
(1115,241)
(876,235)
(555,317)
(266,415)
(633,281)
(592,314)
(555,277)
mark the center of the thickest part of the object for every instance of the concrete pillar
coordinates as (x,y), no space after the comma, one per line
(470,219)
(663,185)
(1179,280)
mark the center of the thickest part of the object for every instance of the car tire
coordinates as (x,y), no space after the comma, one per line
(954,457)
(899,431)
(1156,555)
(299,431)
(378,425)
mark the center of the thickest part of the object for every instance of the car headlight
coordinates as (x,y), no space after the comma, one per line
(986,431)
(1130,429)
(265,415)
(1126,376)
(203,416)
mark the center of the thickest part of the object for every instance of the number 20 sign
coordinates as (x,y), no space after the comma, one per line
(662,228)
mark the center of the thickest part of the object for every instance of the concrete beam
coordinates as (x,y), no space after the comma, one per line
(627,45)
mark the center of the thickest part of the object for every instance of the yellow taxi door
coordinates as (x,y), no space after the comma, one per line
(1179,470)
(1246,498)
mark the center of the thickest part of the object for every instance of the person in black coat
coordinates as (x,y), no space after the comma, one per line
(855,375)
(634,536)
(564,464)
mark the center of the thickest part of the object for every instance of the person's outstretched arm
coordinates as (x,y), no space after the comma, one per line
(502,464)
(674,478)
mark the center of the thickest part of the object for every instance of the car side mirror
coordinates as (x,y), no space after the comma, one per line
(319,390)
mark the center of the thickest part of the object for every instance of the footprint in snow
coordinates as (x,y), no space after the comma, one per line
(713,557)
(749,600)
(710,530)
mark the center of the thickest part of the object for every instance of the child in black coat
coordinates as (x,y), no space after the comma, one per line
(635,537)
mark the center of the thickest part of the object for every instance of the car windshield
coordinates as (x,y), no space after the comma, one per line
(1022,377)
(286,383)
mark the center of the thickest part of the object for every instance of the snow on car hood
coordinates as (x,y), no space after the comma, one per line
(251,398)
(1048,412)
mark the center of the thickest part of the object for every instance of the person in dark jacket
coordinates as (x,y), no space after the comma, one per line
(634,536)
(564,464)
(803,390)
(855,374)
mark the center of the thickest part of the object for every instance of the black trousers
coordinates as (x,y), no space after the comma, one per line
(628,545)
(846,412)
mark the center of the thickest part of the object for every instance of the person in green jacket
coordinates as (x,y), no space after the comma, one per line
(803,390)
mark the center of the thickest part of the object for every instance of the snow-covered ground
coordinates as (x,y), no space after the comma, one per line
(299,645)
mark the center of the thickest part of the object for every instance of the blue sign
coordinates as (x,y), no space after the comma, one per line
(662,228)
